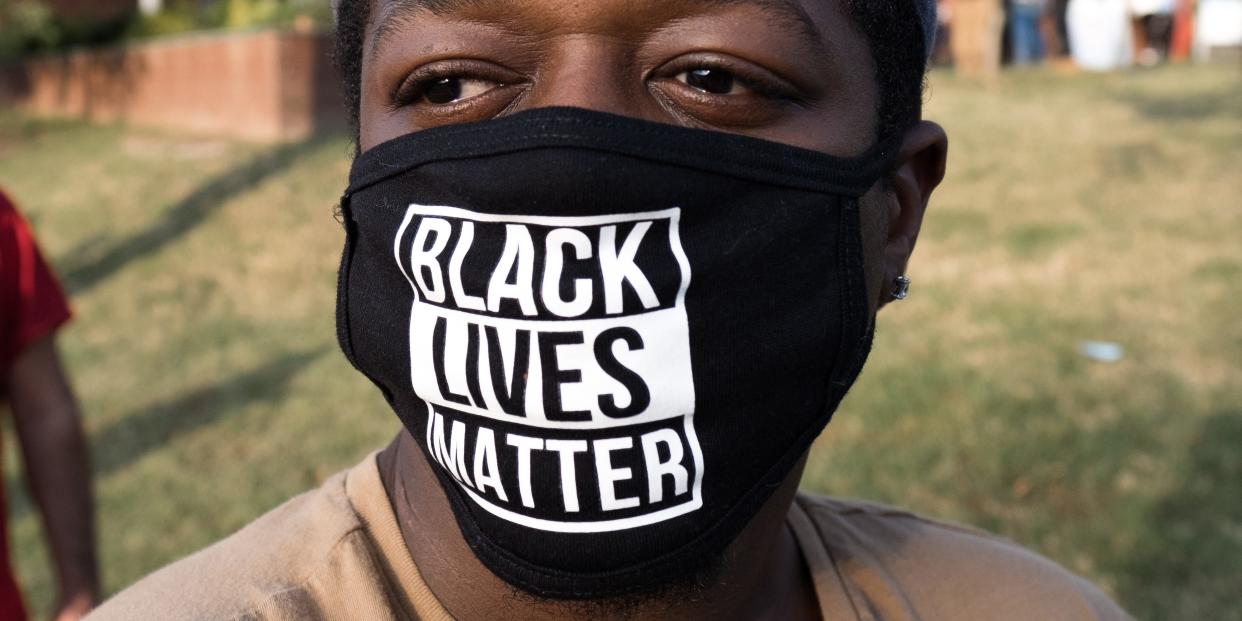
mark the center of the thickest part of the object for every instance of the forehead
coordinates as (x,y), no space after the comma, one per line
(815,23)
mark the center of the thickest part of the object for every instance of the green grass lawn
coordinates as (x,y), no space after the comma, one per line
(1077,207)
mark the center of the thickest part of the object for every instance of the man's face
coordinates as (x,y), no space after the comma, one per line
(792,71)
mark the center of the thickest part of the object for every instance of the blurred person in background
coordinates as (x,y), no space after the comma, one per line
(1025,39)
(942,53)
(978,26)
(45,414)
(1100,34)
(1152,21)
(613,265)
(1056,38)
(1217,28)
(1183,30)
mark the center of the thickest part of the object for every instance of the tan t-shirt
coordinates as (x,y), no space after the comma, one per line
(337,553)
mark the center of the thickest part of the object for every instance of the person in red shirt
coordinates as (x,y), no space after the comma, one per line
(45,414)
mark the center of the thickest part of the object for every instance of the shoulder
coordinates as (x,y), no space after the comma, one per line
(11,224)
(10,219)
(941,570)
(261,571)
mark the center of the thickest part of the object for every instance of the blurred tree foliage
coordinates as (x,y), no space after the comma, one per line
(189,15)
(32,27)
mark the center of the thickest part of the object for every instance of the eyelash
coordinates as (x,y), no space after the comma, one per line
(755,80)
(411,89)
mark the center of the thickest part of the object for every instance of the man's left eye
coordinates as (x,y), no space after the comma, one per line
(713,81)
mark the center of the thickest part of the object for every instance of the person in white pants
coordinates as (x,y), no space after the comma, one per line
(1100,34)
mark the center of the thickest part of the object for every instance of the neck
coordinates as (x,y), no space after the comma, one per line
(763,576)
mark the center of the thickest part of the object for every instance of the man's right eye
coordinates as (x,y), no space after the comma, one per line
(450,91)
(446,86)
(447,90)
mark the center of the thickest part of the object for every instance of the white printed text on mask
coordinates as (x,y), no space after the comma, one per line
(555,348)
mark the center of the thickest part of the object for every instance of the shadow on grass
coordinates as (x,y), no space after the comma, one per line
(131,436)
(16,129)
(1186,106)
(1190,564)
(91,267)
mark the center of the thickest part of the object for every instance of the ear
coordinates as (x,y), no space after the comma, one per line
(919,170)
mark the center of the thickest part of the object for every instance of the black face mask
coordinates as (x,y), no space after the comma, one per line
(612,339)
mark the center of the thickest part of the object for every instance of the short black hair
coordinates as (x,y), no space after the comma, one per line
(893,28)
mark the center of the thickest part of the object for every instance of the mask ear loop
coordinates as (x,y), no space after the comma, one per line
(881,161)
(884,159)
(345,215)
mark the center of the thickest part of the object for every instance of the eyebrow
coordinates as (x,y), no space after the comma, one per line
(396,13)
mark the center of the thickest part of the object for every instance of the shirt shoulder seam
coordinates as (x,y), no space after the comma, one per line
(254,608)
(850,510)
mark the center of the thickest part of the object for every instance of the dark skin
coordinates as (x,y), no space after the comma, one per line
(49,429)
(791,71)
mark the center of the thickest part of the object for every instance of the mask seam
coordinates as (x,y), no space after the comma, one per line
(344,338)
(851,255)
(344,327)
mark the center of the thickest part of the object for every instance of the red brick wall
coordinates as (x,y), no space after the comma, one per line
(266,85)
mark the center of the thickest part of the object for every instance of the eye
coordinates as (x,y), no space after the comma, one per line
(452,86)
(723,90)
(713,81)
(451,89)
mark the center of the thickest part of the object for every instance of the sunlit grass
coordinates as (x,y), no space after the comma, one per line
(1077,208)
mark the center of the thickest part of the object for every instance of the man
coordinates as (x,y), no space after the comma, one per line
(614,264)
(1027,46)
(978,27)
(32,309)
(1152,25)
